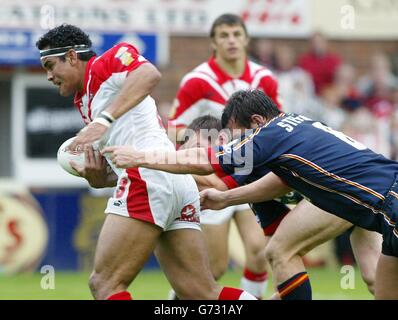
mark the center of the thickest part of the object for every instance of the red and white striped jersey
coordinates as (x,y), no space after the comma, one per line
(206,89)
(105,75)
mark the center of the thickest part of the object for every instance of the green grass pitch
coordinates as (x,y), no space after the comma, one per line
(152,285)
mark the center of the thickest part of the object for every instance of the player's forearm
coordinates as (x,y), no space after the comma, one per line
(192,161)
(106,179)
(267,188)
(210,181)
(138,85)
(176,134)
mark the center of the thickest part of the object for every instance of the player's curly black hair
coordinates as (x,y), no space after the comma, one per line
(245,103)
(66,35)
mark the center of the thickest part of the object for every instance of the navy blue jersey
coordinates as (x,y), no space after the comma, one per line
(337,173)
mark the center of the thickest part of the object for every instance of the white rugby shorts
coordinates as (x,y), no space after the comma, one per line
(167,200)
(217,217)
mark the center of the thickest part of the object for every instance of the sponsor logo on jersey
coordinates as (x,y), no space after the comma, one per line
(124,56)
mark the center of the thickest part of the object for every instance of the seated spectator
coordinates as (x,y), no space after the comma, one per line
(296,88)
(262,52)
(320,62)
(394,126)
(327,108)
(373,132)
(378,86)
(345,82)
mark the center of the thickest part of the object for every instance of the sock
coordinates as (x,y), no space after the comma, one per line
(123,295)
(254,283)
(228,293)
(297,287)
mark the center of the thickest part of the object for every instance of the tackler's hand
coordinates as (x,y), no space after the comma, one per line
(87,137)
(123,156)
(213,199)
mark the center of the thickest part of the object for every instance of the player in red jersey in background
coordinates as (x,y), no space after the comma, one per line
(148,210)
(204,91)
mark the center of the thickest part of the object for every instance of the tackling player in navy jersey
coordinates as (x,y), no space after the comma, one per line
(288,243)
(289,151)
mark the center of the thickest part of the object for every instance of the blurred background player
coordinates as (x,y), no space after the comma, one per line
(204,91)
(148,210)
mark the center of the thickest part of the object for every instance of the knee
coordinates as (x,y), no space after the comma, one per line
(256,249)
(219,268)
(274,255)
(94,283)
(102,286)
(256,258)
(369,279)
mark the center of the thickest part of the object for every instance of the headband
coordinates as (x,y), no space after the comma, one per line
(56,52)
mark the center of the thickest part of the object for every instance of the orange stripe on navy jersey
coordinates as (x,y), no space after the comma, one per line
(332,175)
(347,196)
(394,194)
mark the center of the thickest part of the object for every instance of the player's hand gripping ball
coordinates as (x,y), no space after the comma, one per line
(65,156)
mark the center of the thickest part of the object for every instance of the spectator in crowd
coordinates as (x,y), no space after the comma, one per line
(361,125)
(327,108)
(320,62)
(263,52)
(394,126)
(296,88)
(345,83)
(378,85)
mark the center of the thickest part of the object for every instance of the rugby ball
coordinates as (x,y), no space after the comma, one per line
(65,156)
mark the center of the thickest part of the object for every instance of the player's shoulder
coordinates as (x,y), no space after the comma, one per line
(296,126)
(116,52)
(119,48)
(258,70)
(122,53)
(200,75)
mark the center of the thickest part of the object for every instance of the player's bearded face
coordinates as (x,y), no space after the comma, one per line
(230,42)
(61,74)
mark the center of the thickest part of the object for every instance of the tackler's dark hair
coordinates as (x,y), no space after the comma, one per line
(245,103)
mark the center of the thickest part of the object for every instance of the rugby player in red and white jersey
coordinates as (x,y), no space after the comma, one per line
(149,209)
(204,91)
